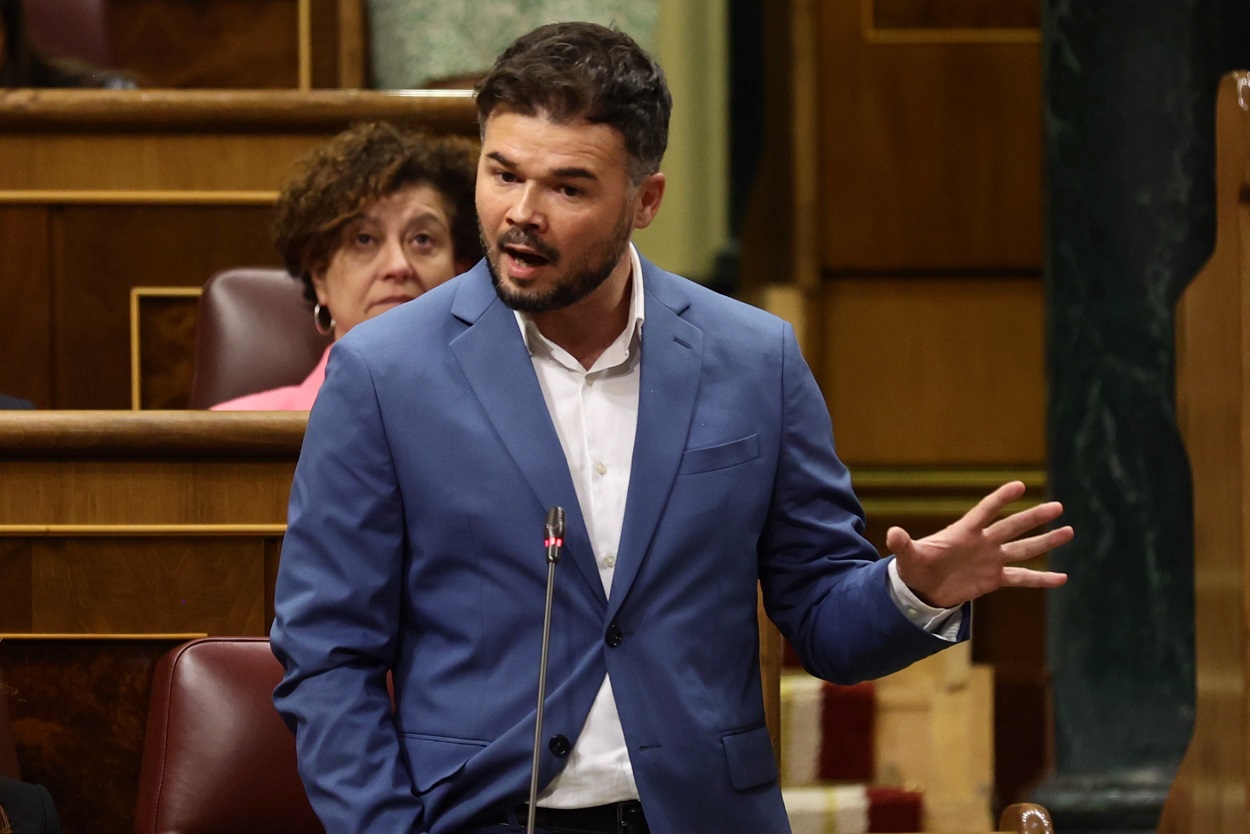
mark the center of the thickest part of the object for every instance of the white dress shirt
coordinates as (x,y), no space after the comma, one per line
(595,412)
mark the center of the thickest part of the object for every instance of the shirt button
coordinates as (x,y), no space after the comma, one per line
(610,560)
(600,467)
(913,613)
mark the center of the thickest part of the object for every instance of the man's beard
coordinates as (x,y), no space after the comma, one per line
(577,282)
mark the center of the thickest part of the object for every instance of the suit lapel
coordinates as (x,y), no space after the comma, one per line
(672,359)
(497,365)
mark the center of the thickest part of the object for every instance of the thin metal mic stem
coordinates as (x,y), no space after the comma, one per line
(542,696)
(554,541)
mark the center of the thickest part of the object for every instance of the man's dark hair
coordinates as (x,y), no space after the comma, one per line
(570,71)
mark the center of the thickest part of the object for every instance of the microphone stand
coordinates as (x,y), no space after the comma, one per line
(554,541)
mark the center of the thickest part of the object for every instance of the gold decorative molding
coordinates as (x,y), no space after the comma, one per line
(191,635)
(138,530)
(138,197)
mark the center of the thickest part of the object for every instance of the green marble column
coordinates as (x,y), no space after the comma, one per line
(1129,115)
(414,41)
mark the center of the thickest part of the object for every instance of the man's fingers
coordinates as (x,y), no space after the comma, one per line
(1025,578)
(897,540)
(1036,545)
(1022,522)
(989,508)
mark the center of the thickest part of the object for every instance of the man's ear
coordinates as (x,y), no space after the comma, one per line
(648,198)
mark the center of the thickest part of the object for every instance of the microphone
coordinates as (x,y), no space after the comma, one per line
(554,541)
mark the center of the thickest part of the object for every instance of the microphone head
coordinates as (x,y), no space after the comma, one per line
(555,523)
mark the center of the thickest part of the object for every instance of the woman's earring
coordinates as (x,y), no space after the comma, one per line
(322,320)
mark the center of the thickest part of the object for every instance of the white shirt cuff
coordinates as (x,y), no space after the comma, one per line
(942,622)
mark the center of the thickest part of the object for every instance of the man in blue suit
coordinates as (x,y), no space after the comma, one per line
(693,452)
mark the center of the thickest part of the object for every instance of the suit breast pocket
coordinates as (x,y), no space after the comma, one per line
(720,456)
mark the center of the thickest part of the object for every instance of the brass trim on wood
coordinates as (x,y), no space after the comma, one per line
(304,39)
(181,636)
(215,111)
(64,196)
(251,435)
(139,530)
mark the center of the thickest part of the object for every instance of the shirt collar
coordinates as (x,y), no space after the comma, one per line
(620,349)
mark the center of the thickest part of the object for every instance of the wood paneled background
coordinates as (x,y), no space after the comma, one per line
(900,195)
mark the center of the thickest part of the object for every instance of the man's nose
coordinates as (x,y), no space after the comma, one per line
(526,209)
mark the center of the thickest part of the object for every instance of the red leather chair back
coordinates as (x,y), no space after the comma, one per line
(70,29)
(8,750)
(255,332)
(217,756)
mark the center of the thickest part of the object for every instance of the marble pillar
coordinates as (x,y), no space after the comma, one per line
(1129,116)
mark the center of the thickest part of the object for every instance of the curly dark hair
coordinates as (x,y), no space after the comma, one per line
(337,182)
(572,71)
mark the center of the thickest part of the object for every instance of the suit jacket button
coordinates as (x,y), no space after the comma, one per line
(559,745)
(614,636)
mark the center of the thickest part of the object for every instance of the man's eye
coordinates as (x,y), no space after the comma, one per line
(570,191)
(507,176)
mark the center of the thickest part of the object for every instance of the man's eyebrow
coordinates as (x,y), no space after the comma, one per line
(501,159)
(570,173)
(573,174)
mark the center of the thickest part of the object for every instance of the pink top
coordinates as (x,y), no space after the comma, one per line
(287,398)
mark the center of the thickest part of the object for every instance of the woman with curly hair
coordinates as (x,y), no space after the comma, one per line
(370,220)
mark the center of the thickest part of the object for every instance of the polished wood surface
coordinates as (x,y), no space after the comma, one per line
(238,43)
(898,205)
(122,534)
(1213,408)
(102,191)
(217,111)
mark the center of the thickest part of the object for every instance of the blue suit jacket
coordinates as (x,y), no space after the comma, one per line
(414,544)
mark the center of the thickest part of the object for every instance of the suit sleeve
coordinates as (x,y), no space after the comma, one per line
(823,584)
(338,607)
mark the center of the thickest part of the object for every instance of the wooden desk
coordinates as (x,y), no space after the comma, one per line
(121,535)
(101,191)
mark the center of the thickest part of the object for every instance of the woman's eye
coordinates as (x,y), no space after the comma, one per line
(363,238)
(423,239)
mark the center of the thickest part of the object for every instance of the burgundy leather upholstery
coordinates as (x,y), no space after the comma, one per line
(255,332)
(70,29)
(217,758)
(8,750)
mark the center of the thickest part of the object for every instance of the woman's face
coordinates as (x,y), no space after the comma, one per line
(397,249)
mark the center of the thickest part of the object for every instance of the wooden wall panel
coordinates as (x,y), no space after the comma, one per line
(148,585)
(930,151)
(954,14)
(26,296)
(218,44)
(179,163)
(79,711)
(164,325)
(149,245)
(929,372)
(143,492)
